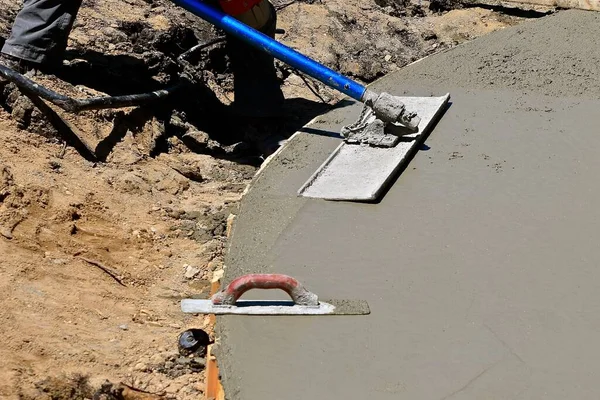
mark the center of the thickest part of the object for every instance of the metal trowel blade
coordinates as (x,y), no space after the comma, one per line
(268,307)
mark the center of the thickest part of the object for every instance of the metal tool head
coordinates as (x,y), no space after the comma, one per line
(372,131)
(359,172)
(392,110)
(383,121)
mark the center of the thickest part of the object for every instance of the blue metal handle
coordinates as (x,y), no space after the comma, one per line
(263,42)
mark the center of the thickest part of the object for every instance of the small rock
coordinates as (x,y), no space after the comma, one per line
(387,58)
(183,361)
(172,185)
(191,272)
(6,232)
(215,265)
(429,35)
(189,171)
(196,138)
(198,363)
(170,355)
(124,327)
(156,359)
(21,111)
(140,367)
(176,145)
(217,275)
(177,122)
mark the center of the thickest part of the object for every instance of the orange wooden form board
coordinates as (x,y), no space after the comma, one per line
(214,388)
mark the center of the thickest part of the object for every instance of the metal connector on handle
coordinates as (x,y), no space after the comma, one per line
(390,109)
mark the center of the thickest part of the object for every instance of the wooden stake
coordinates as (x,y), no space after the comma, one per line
(214,388)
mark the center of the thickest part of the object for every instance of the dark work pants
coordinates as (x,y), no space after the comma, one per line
(41,30)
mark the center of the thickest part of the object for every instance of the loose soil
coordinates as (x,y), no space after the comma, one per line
(98,252)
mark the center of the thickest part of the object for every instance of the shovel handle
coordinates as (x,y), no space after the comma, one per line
(299,294)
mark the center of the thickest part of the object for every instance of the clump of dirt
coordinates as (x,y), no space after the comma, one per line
(104,237)
(16,202)
(401,8)
(75,387)
(444,5)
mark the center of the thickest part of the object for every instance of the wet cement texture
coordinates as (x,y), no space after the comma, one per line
(480,265)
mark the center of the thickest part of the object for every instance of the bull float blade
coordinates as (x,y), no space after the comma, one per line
(362,169)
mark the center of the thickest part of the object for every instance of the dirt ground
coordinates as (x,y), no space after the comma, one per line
(99,248)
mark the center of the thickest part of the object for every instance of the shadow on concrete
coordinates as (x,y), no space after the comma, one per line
(296,114)
(321,132)
(409,157)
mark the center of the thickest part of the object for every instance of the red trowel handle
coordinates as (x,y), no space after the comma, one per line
(241,285)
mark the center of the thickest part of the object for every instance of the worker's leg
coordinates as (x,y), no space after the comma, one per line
(41,30)
(256,87)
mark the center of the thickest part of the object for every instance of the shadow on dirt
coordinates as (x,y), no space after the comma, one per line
(111,74)
(194,111)
(196,107)
(229,129)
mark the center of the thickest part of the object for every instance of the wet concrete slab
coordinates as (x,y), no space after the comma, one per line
(479,264)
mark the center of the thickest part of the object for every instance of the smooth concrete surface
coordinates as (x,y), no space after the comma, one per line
(480,264)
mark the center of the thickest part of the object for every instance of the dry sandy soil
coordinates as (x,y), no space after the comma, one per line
(97,252)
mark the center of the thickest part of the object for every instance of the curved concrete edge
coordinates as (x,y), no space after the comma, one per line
(268,196)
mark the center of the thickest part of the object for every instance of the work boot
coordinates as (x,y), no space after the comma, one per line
(12,63)
(256,86)
(16,64)
(22,66)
